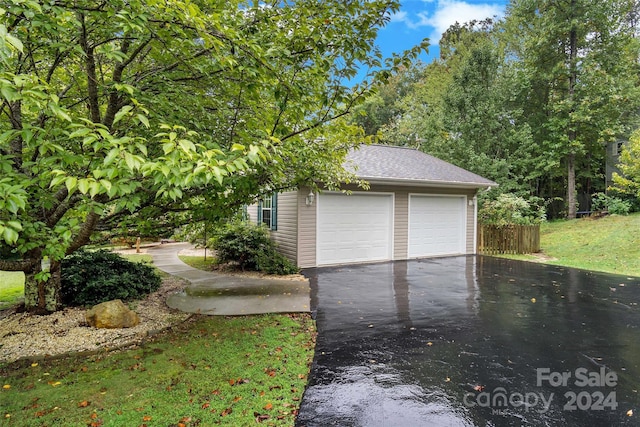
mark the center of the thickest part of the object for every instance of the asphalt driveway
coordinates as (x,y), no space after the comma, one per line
(473,341)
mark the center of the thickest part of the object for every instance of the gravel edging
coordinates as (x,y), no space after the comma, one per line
(24,336)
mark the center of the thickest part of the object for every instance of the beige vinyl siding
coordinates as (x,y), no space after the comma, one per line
(306,231)
(252,213)
(401,225)
(286,236)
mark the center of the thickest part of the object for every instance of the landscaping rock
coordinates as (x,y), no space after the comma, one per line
(112,315)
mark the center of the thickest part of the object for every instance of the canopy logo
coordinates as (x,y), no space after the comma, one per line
(593,395)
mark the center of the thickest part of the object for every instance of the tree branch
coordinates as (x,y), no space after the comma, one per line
(90,69)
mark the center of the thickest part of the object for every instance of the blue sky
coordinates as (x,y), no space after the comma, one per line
(418,19)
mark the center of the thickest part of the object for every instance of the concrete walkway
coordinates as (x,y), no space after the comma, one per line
(225,295)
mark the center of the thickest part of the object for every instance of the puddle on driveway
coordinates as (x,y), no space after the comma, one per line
(473,341)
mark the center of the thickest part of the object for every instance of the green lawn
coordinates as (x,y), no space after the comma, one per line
(236,371)
(199,262)
(11,288)
(610,244)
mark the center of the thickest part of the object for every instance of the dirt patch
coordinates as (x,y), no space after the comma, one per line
(542,257)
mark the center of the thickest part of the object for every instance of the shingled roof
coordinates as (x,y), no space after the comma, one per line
(386,163)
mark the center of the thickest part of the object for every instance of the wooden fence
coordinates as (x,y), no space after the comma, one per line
(508,239)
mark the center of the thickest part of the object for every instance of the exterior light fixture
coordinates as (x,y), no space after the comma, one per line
(310,198)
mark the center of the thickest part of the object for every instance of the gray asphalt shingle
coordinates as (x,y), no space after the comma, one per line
(386,162)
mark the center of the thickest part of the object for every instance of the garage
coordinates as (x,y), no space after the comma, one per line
(436,225)
(354,228)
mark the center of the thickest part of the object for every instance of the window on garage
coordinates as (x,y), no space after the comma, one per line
(268,211)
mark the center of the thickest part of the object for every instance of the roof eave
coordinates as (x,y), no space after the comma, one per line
(426,183)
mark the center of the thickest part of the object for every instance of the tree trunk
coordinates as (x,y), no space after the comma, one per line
(42,296)
(571,186)
(572,134)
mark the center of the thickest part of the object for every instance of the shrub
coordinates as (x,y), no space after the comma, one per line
(89,278)
(511,209)
(250,247)
(613,205)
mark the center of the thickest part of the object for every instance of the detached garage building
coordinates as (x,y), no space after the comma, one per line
(417,206)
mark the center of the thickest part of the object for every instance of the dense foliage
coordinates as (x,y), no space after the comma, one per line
(530,101)
(249,246)
(628,180)
(508,209)
(89,278)
(136,115)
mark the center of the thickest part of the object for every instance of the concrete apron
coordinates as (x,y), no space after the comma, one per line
(224,295)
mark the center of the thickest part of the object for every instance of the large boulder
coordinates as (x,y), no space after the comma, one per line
(112,314)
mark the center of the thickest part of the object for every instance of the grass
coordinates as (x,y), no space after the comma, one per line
(11,288)
(199,262)
(610,244)
(207,371)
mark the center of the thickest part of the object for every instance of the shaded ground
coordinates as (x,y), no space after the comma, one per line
(473,341)
(221,294)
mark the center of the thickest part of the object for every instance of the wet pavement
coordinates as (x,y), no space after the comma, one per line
(473,341)
(219,294)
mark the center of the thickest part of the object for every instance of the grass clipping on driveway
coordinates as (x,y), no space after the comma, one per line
(206,371)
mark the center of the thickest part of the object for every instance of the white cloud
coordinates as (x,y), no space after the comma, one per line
(446,13)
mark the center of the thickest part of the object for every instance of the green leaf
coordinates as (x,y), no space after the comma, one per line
(71,183)
(10,235)
(122,113)
(144,120)
(186,145)
(16,225)
(83,185)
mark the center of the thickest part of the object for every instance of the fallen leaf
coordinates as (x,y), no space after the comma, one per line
(147,418)
(429,343)
(268,406)
(630,413)
(226,412)
(54,384)
(533,300)
(84,404)
(205,405)
(237,398)
(261,417)
(478,388)
(6,387)
(34,364)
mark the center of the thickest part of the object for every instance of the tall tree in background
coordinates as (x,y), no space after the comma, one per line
(119,110)
(462,109)
(581,59)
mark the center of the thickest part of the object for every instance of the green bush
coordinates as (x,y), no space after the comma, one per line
(509,209)
(613,205)
(249,246)
(89,278)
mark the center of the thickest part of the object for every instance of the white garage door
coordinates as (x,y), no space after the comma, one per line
(354,228)
(436,225)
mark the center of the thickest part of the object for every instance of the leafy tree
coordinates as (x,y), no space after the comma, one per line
(581,59)
(122,113)
(462,109)
(628,180)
